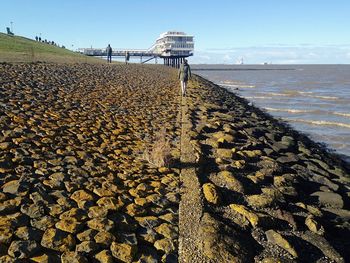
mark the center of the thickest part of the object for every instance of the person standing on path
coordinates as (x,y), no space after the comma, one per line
(184,76)
(109,53)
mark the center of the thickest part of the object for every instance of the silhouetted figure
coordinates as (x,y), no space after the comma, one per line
(109,53)
(36,38)
(39,39)
(127,57)
(184,75)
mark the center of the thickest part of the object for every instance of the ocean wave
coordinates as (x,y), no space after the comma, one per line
(256,97)
(321,123)
(323,97)
(290,110)
(278,94)
(305,92)
(341,114)
(236,85)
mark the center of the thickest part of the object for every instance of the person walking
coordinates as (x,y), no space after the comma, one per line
(109,53)
(184,76)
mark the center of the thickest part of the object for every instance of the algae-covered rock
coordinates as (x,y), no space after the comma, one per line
(70,225)
(166,245)
(313,225)
(277,239)
(211,194)
(110,203)
(105,256)
(57,240)
(224,153)
(250,154)
(123,252)
(231,181)
(250,216)
(101,224)
(167,230)
(104,238)
(260,200)
(23,249)
(73,257)
(321,243)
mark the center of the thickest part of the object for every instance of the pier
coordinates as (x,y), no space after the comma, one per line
(172,46)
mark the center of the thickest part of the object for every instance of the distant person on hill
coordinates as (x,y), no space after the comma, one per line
(127,57)
(109,53)
(184,75)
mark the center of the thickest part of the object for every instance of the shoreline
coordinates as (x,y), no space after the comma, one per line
(75,184)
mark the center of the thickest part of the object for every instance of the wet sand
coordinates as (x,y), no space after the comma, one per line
(75,183)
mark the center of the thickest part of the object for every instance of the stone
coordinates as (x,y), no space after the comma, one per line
(57,240)
(329,199)
(69,224)
(28,233)
(148,221)
(100,224)
(325,181)
(313,225)
(103,192)
(288,141)
(250,216)
(81,195)
(97,211)
(76,213)
(166,245)
(231,182)
(224,153)
(110,203)
(167,230)
(135,210)
(33,210)
(87,247)
(238,164)
(86,235)
(341,213)
(288,158)
(46,258)
(23,249)
(104,238)
(211,194)
(123,252)
(6,234)
(321,243)
(11,205)
(127,238)
(148,235)
(73,257)
(169,217)
(43,223)
(250,154)
(261,200)
(11,187)
(7,259)
(104,256)
(277,239)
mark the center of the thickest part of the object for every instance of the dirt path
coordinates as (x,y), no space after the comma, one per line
(191,205)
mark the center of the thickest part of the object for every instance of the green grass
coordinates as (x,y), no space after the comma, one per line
(21,49)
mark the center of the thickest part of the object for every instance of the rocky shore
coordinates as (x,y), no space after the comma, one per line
(78,185)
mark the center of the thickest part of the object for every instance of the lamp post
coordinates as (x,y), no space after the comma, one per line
(11,26)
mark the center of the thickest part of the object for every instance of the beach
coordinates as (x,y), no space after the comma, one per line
(80,177)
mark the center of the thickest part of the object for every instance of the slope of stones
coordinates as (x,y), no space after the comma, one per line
(270,194)
(73,183)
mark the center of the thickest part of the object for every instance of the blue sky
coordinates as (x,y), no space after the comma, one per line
(288,31)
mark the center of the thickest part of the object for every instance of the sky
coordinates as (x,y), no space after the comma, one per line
(225,31)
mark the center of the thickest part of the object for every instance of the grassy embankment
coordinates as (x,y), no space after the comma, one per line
(21,49)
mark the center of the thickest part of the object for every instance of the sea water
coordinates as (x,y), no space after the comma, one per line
(314,99)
